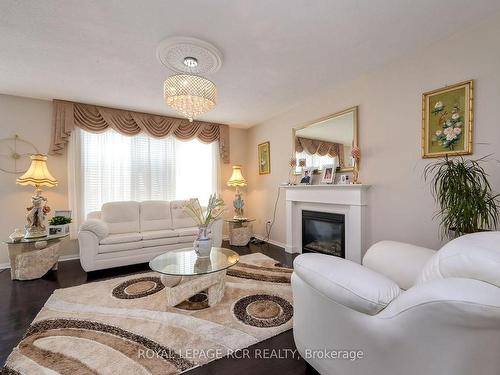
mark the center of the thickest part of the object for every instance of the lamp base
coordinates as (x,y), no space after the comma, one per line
(36,217)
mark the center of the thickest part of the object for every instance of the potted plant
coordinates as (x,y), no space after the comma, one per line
(204,219)
(466,201)
(59,225)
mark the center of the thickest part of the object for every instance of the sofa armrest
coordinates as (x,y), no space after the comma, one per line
(346,282)
(217,232)
(96,226)
(398,261)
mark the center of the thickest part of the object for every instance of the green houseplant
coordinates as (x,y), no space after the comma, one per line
(466,201)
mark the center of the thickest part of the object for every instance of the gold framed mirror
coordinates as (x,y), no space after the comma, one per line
(328,140)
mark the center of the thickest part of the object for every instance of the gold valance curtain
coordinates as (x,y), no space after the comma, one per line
(91,118)
(321,148)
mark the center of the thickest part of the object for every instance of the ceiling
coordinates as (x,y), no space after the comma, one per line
(339,129)
(277,53)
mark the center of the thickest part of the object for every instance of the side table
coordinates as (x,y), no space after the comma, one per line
(31,258)
(240,231)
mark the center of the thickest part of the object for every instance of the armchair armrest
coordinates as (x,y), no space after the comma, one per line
(96,226)
(346,282)
(466,295)
(398,261)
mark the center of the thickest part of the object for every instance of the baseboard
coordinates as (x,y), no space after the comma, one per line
(272,242)
(61,259)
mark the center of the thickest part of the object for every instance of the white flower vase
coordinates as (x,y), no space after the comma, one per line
(203,247)
(203,244)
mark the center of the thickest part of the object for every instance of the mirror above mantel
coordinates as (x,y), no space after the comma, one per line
(328,140)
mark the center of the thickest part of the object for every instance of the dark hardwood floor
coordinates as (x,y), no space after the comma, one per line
(22,300)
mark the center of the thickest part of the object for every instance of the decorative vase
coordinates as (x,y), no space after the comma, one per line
(17,235)
(203,244)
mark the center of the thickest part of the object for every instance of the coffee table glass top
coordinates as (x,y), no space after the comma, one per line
(39,239)
(185,262)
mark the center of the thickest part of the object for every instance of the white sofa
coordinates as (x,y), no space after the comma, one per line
(446,322)
(125,233)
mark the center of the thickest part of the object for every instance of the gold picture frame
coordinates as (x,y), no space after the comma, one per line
(264,152)
(447,121)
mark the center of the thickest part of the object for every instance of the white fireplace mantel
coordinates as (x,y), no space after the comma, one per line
(349,200)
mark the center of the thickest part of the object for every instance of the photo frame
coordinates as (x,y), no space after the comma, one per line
(447,121)
(328,174)
(306,176)
(264,153)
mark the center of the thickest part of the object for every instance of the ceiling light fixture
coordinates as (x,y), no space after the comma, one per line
(188,92)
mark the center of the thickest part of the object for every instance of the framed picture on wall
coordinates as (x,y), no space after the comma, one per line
(447,121)
(264,151)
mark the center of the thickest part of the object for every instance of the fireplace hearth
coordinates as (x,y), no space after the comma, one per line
(323,232)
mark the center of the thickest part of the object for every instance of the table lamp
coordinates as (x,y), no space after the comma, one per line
(37,175)
(237,180)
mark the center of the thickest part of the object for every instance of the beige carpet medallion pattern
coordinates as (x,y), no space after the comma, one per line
(123,326)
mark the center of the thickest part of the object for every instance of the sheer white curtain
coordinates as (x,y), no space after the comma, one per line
(110,167)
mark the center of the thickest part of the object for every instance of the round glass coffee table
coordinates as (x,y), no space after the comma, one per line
(184,274)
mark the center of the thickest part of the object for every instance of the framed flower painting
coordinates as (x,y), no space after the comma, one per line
(264,151)
(447,121)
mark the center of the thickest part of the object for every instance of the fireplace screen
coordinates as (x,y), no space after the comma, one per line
(323,232)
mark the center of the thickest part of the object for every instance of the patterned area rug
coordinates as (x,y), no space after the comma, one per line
(123,326)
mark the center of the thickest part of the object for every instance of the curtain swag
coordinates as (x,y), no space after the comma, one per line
(321,148)
(95,119)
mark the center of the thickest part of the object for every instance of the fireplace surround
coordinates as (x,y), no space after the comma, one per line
(348,200)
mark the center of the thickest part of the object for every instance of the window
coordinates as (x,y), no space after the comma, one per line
(116,167)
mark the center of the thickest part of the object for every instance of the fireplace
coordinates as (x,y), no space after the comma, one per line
(323,232)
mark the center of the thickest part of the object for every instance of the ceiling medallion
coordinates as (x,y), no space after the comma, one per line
(187,92)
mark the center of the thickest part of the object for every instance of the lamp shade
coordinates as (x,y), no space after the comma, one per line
(237,178)
(38,174)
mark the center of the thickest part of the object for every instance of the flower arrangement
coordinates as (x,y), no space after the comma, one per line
(356,155)
(291,172)
(451,125)
(205,218)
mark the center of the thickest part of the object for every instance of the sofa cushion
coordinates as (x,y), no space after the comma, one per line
(188,240)
(155,215)
(473,256)
(190,231)
(180,218)
(160,242)
(121,217)
(120,238)
(117,247)
(346,282)
(154,234)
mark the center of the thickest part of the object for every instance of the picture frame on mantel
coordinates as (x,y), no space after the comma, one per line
(264,153)
(447,121)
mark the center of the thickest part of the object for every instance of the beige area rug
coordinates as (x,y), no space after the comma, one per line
(123,326)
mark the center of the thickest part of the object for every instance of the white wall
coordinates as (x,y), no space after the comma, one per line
(401,207)
(31,119)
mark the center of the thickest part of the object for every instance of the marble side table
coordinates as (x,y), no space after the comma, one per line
(31,258)
(240,231)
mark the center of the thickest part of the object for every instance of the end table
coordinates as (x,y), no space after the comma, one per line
(31,258)
(240,231)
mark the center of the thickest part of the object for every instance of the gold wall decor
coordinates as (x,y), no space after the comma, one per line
(447,121)
(264,151)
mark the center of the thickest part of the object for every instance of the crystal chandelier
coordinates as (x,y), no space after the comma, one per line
(190,94)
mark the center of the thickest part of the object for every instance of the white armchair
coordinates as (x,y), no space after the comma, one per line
(447,322)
